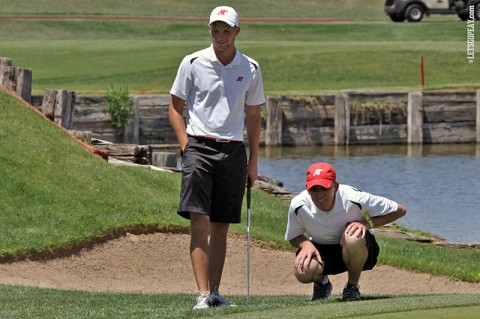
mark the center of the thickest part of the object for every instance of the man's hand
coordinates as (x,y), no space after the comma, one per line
(356,229)
(305,256)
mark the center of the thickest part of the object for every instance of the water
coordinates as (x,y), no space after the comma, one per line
(439,184)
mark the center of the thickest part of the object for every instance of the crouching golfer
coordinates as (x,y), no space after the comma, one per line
(338,219)
(222,89)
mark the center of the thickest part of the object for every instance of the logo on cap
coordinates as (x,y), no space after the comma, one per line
(318,171)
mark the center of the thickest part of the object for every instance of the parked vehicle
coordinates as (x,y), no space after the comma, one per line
(415,10)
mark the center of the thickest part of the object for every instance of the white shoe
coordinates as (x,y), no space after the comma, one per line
(203,301)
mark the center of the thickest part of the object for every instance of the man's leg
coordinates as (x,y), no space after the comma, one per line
(200,227)
(355,253)
(217,252)
(322,288)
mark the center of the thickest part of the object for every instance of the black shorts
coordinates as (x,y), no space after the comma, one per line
(213,179)
(333,259)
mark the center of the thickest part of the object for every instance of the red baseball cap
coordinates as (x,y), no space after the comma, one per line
(322,174)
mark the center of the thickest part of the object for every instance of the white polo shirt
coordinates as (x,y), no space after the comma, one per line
(304,218)
(216,95)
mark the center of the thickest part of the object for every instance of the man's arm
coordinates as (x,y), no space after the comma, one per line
(254,122)
(360,228)
(175,115)
(388,218)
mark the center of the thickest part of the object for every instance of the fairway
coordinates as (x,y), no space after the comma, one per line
(22,302)
(89,56)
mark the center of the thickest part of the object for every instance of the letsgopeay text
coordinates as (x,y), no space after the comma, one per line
(471,35)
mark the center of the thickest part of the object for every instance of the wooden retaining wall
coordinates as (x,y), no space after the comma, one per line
(361,118)
(350,118)
(16,79)
(150,123)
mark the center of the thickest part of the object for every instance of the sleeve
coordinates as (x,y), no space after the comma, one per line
(255,94)
(377,205)
(295,225)
(183,81)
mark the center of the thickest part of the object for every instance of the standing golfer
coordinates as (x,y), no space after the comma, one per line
(338,219)
(221,88)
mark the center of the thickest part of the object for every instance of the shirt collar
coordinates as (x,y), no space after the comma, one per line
(235,62)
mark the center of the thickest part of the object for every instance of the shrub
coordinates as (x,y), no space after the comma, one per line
(119,106)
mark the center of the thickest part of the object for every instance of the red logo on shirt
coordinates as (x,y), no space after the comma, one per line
(240,79)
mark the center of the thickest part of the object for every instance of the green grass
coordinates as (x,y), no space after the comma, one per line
(25,302)
(55,193)
(89,56)
(351,9)
(434,260)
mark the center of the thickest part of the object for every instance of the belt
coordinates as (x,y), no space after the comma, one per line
(216,139)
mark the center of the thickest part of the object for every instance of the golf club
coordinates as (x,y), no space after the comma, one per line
(249,186)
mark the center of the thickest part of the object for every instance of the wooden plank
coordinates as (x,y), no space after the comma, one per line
(449,112)
(23,87)
(369,96)
(459,132)
(164,159)
(378,134)
(274,125)
(5,62)
(304,136)
(7,78)
(415,118)
(48,103)
(342,120)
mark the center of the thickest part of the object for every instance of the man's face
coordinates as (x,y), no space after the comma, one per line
(323,197)
(223,35)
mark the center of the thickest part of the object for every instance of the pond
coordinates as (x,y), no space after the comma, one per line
(439,184)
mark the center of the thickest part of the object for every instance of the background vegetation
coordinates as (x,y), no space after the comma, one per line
(88,56)
(346,9)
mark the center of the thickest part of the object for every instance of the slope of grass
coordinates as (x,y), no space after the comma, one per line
(54,193)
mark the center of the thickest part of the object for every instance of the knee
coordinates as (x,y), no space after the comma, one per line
(199,223)
(219,229)
(309,273)
(348,241)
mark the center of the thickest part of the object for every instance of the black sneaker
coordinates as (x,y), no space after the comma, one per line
(322,291)
(351,293)
(216,300)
